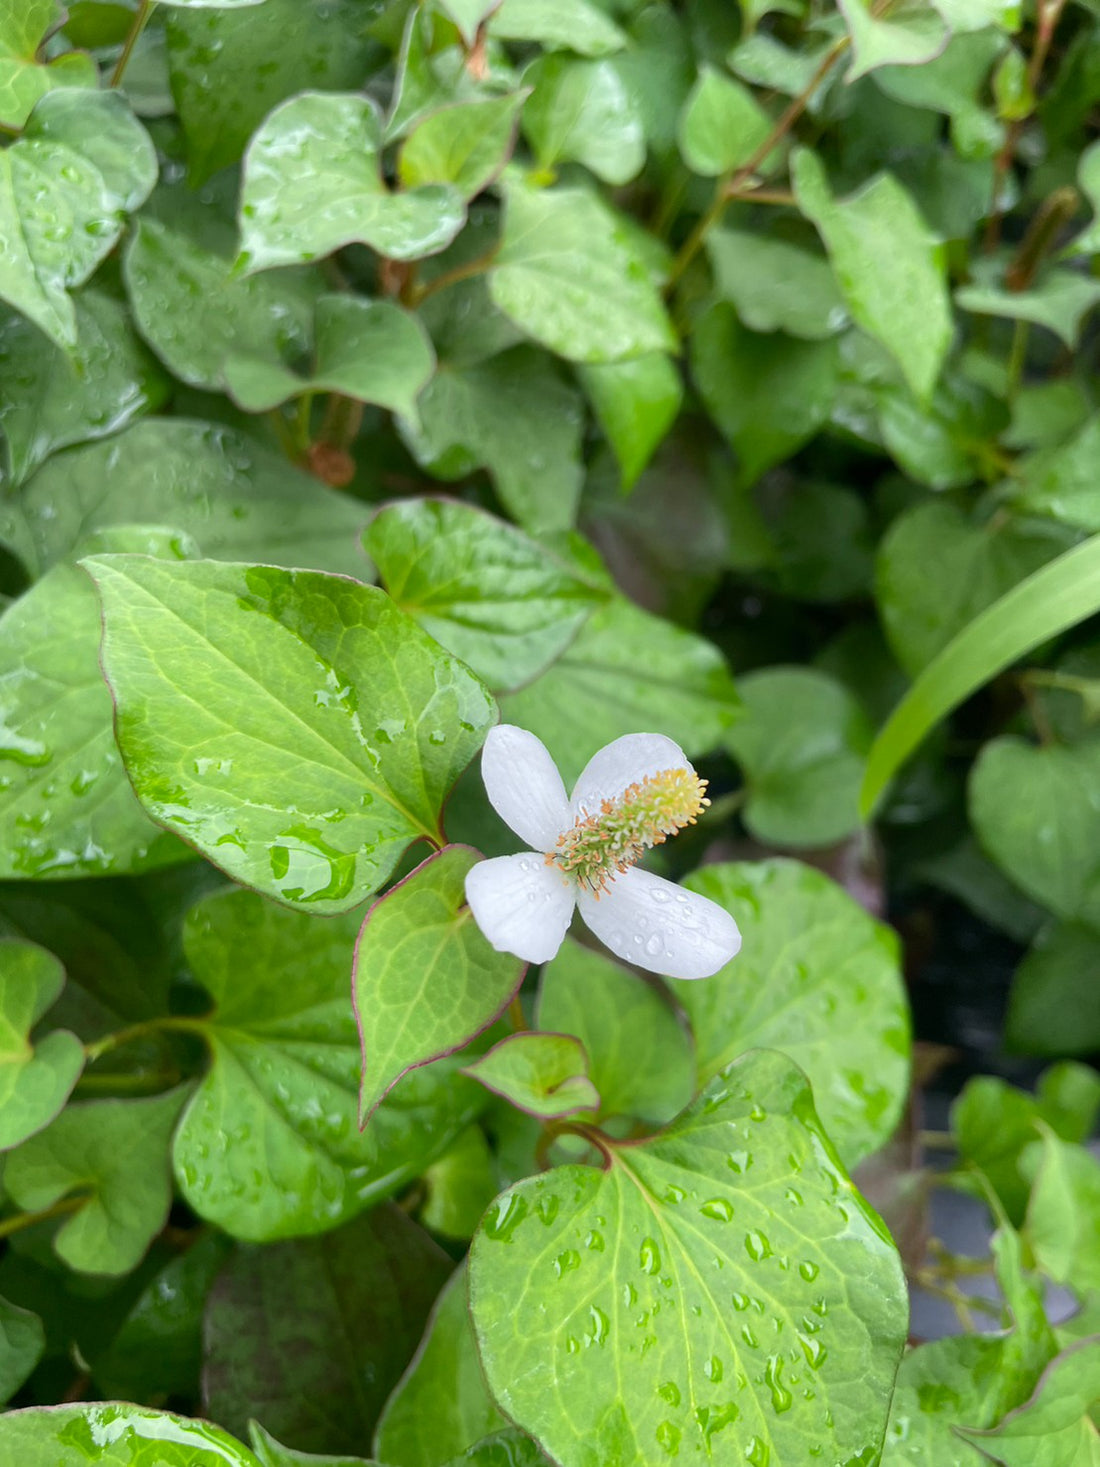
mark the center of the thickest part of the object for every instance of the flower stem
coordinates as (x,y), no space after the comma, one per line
(21,1220)
(141,19)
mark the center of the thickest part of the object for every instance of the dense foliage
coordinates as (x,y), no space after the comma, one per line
(375,370)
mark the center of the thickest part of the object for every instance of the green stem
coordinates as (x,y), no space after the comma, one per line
(141,19)
(452,277)
(516,1017)
(1016,358)
(148,1082)
(9,1225)
(167,1023)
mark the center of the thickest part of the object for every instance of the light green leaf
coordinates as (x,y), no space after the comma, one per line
(195,313)
(1046,603)
(113,1435)
(459,1186)
(441,1405)
(626,672)
(50,398)
(509,1448)
(803,773)
(769,395)
(517,418)
(22,1345)
(937,570)
(311,1335)
(468,15)
(955,83)
(558,25)
(947,443)
(24,76)
(916,35)
(270,1146)
(888,265)
(297,728)
(568,276)
(580,111)
(466,144)
(1063,1215)
(1054,1004)
(110,1157)
(66,809)
(313,183)
(82,162)
(1061,481)
(807,947)
(543,1074)
(234,496)
(369,350)
(722,125)
(270,1453)
(425,980)
(36,1078)
(776,285)
(223,91)
(1034,812)
(1056,1428)
(645,1344)
(640,1056)
(211,4)
(1088,177)
(501,602)
(636,403)
(1060,300)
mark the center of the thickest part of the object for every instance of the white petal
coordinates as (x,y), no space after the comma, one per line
(659,926)
(524,786)
(522,905)
(621,763)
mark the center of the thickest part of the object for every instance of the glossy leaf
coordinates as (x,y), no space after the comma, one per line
(801,791)
(722,126)
(220,92)
(266,670)
(1063,1214)
(278,1345)
(1061,301)
(807,947)
(915,36)
(514,416)
(644,1341)
(1046,603)
(440,1406)
(1059,481)
(567,276)
(50,399)
(35,1079)
(22,1345)
(116,1435)
(889,267)
(425,980)
(498,600)
(466,144)
(110,1157)
(624,669)
(775,285)
(767,394)
(640,1057)
(313,182)
(270,1145)
(66,808)
(368,350)
(271,1453)
(82,163)
(24,75)
(543,1074)
(636,403)
(580,111)
(234,496)
(1056,1428)
(558,25)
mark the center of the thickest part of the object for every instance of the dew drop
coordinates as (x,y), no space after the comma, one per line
(782,1400)
(718,1208)
(757,1246)
(669,1391)
(809,1271)
(713,1369)
(649,1256)
(668,1438)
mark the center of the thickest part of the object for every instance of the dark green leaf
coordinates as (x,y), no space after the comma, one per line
(775,285)
(1056,1428)
(22,1344)
(1061,481)
(1054,1006)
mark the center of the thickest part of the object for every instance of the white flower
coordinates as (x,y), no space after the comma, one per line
(631,795)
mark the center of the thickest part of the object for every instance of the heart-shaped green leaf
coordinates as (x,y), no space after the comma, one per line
(114,1435)
(311,1335)
(236,498)
(636,402)
(441,1405)
(466,144)
(502,603)
(313,182)
(909,39)
(640,1057)
(22,1345)
(1057,1426)
(24,75)
(82,163)
(109,1158)
(722,125)
(775,285)
(543,1074)
(581,111)
(1063,1215)
(808,948)
(567,276)
(35,1079)
(558,25)
(270,1147)
(297,728)
(684,1306)
(425,979)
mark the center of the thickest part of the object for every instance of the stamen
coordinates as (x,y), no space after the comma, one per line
(645,814)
